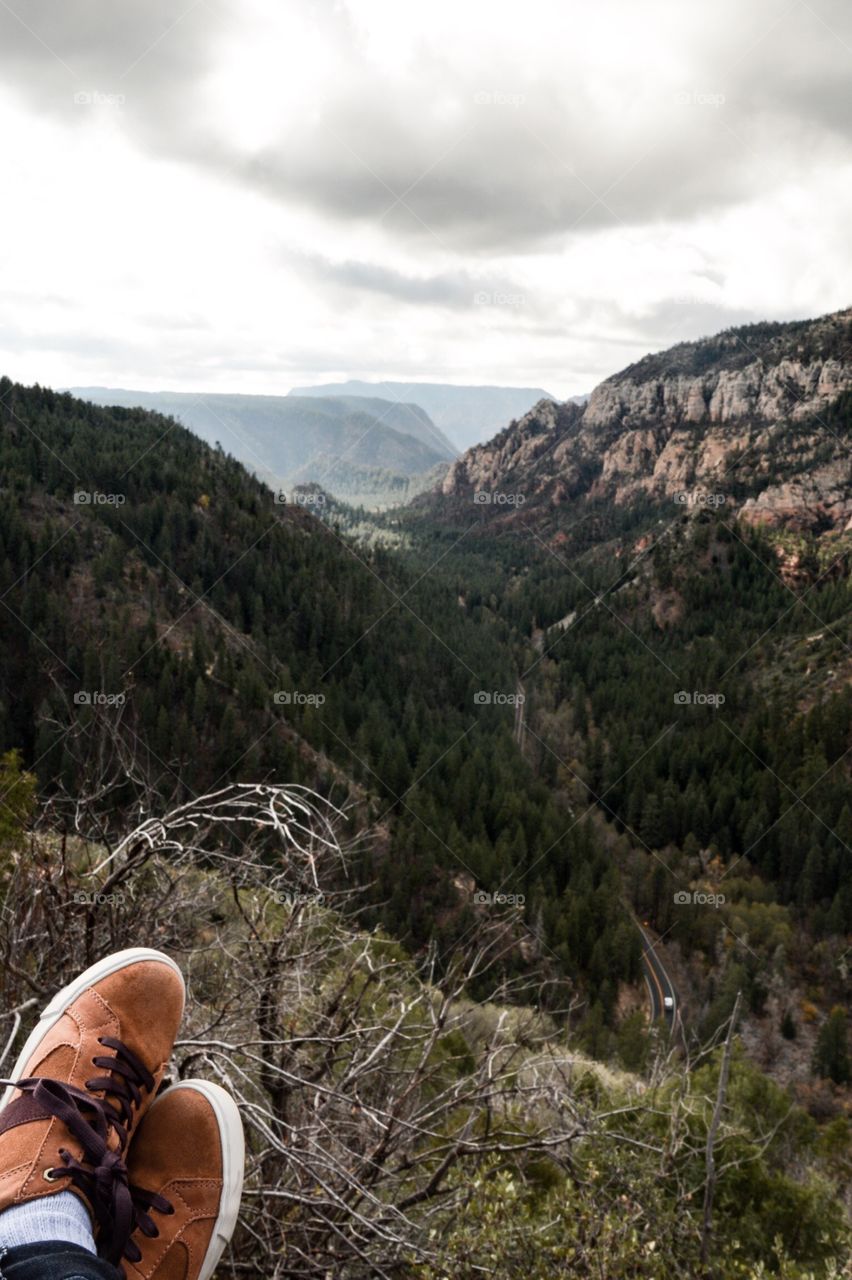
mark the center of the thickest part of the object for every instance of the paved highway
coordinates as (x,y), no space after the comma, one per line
(659,984)
(520,721)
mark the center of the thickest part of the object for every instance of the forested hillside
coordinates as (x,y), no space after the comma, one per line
(231,637)
(182,616)
(701,706)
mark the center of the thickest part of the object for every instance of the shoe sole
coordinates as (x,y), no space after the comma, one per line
(66,997)
(232,1140)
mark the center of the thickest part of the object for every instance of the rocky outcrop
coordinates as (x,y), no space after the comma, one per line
(519,450)
(816,502)
(738,419)
(791,389)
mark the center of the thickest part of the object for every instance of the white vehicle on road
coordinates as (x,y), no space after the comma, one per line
(668,1002)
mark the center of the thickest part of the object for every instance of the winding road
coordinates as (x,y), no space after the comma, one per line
(659,984)
(520,722)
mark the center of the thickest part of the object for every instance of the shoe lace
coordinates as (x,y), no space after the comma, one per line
(100,1172)
(128,1076)
(143,1201)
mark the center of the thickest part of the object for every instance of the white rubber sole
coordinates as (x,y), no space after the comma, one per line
(66,997)
(233,1165)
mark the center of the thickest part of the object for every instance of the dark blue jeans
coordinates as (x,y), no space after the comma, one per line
(54,1260)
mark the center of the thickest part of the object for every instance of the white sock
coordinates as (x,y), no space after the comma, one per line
(58,1217)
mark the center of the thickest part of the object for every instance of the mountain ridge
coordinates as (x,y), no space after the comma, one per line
(287,440)
(467,412)
(747,413)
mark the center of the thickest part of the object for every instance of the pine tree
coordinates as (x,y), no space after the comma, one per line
(831,1056)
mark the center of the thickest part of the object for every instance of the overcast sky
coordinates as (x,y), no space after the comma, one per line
(245,195)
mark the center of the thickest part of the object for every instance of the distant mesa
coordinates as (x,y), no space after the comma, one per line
(365,450)
(467,414)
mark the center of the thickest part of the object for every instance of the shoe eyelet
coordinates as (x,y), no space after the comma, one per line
(48,1175)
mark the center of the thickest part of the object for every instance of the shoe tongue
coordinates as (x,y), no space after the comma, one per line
(113,1110)
(114,1141)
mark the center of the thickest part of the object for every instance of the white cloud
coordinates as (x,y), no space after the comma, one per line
(260,194)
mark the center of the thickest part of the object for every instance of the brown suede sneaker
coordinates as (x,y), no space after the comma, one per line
(83,1081)
(189,1155)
